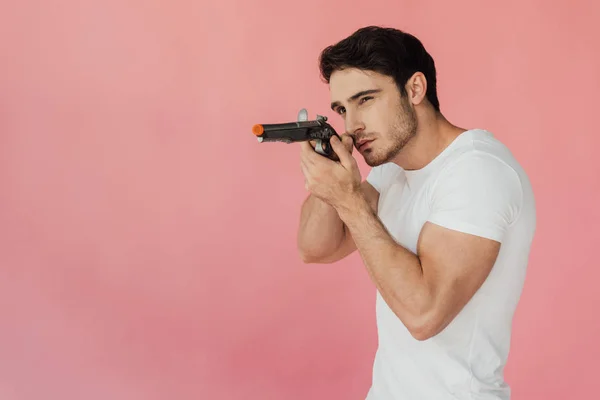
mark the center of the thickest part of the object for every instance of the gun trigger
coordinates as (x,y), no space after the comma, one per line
(319,147)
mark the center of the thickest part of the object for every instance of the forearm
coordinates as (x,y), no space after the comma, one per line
(396,271)
(321,230)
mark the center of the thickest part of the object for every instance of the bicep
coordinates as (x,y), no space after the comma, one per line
(455,265)
(472,207)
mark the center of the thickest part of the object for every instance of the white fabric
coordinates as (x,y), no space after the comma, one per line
(475,186)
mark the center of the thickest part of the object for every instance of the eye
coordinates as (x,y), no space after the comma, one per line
(340,110)
(362,100)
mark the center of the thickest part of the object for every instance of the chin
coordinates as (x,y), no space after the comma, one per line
(376,158)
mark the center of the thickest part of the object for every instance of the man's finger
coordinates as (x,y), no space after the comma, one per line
(307,153)
(348,142)
(306,173)
(310,155)
(342,152)
(305,146)
(304,168)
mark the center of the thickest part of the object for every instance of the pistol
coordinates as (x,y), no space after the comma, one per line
(302,130)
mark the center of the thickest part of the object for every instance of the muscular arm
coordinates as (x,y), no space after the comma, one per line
(322,236)
(472,205)
(428,289)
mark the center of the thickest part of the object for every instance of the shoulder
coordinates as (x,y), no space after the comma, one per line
(479,165)
(480,174)
(478,190)
(481,159)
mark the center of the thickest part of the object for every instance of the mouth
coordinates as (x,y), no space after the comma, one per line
(363,144)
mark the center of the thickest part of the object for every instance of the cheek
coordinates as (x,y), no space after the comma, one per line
(375,119)
(382,121)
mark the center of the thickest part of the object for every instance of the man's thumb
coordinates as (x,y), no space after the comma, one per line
(348,142)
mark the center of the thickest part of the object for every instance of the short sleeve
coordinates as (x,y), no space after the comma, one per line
(478,194)
(376,177)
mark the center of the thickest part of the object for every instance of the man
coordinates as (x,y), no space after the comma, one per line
(443,222)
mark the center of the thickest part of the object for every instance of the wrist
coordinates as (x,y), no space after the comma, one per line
(353,205)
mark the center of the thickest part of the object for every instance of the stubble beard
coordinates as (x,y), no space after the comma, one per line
(402,130)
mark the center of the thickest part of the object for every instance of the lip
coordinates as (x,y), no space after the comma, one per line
(363,144)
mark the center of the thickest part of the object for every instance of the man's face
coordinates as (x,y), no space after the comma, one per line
(375,116)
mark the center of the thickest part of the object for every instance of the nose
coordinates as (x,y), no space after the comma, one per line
(354,124)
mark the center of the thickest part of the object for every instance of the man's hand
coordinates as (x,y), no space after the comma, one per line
(336,183)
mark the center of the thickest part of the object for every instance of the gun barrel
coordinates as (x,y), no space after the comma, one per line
(299,131)
(285,132)
(259,129)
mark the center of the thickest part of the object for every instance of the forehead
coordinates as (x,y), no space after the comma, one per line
(343,84)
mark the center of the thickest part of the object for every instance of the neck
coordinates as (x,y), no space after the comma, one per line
(434,134)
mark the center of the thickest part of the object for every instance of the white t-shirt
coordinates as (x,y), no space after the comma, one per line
(474,186)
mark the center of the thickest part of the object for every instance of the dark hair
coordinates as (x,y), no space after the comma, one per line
(388,51)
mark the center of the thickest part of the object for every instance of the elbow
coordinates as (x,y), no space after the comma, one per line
(306,253)
(307,257)
(422,333)
(424,327)
(312,255)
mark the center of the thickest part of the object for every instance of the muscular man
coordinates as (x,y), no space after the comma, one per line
(443,222)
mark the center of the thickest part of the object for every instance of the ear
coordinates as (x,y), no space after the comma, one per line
(416,88)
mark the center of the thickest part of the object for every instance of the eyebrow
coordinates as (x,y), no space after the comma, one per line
(355,96)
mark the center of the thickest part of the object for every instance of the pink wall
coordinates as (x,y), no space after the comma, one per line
(142,253)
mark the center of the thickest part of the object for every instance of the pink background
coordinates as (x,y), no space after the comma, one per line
(142,252)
